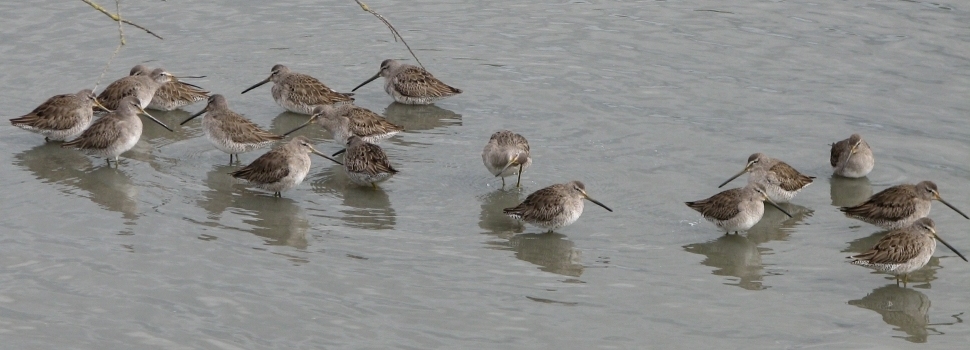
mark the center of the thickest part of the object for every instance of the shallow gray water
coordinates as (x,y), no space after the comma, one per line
(650,103)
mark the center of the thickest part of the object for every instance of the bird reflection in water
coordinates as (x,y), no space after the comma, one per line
(906,309)
(287,121)
(363,207)
(552,252)
(847,192)
(279,221)
(420,117)
(152,138)
(740,256)
(110,188)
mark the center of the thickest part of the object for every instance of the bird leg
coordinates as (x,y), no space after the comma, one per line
(518,181)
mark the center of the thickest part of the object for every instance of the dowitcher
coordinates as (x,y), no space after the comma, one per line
(507,154)
(366,163)
(737,209)
(172,94)
(782,182)
(115,133)
(229,131)
(898,206)
(904,250)
(61,117)
(346,120)
(553,207)
(140,86)
(300,93)
(852,157)
(282,168)
(411,85)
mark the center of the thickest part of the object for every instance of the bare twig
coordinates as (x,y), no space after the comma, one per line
(117,18)
(121,33)
(394,32)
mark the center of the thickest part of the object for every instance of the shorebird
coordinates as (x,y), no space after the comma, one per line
(411,85)
(852,157)
(898,206)
(229,131)
(346,120)
(507,153)
(300,93)
(782,182)
(737,209)
(61,117)
(366,163)
(115,133)
(172,94)
(904,250)
(282,168)
(140,86)
(553,207)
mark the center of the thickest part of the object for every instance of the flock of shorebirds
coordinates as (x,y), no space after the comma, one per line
(902,209)
(69,118)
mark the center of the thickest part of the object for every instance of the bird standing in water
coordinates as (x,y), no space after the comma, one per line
(411,85)
(507,153)
(904,250)
(553,207)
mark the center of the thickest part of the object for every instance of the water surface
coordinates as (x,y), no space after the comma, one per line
(650,103)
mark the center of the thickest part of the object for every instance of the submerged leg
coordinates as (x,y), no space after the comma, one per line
(277,194)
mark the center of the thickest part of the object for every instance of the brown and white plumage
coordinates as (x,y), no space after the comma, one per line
(115,133)
(366,163)
(903,250)
(411,85)
(301,93)
(553,207)
(142,87)
(851,157)
(507,154)
(61,117)
(229,131)
(898,206)
(282,168)
(736,209)
(782,182)
(172,94)
(346,120)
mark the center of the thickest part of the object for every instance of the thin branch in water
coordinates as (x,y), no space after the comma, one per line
(394,32)
(117,18)
(121,33)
